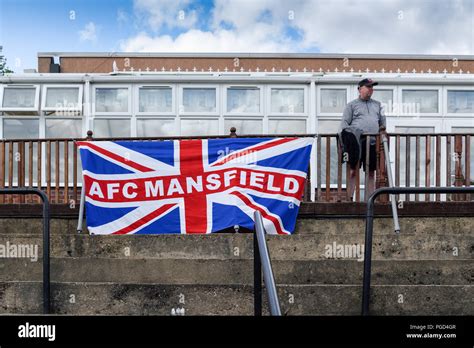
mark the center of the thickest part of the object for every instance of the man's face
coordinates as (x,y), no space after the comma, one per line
(365,92)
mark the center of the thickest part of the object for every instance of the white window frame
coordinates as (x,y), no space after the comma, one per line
(19,109)
(224,106)
(422,88)
(287,86)
(111,113)
(318,99)
(180,100)
(445,98)
(67,108)
(136,98)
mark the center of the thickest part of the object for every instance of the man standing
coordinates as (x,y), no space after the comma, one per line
(363,115)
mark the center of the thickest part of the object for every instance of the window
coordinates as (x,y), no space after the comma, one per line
(199,127)
(287,126)
(328,127)
(243,126)
(156,128)
(242,100)
(62,98)
(66,128)
(385,97)
(199,100)
(105,128)
(333,100)
(153,99)
(24,128)
(287,101)
(460,101)
(420,101)
(112,99)
(20,98)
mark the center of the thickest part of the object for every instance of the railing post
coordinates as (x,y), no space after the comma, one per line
(459,177)
(83,194)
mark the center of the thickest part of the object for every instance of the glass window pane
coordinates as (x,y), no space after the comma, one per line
(62,98)
(287,100)
(20,128)
(19,97)
(423,101)
(243,126)
(333,100)
(384,96)
(461,101)
(156,99)
(328,127)
(287,126)
(240,100)
(199,127)
(104,128)
(111,100)
(155,128)
(199,100)
(64,128)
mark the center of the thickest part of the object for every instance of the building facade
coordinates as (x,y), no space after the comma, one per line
(166,95)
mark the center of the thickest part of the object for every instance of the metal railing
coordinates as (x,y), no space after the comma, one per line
(46,241)
(369,228)
(262,262)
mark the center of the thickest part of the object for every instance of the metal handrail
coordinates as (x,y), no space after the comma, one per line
(46,240)
(261,253)
(369,228)
(396,223)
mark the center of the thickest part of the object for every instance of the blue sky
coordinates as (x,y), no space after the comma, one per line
(338,26)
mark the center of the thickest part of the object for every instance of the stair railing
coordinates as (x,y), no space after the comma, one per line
(262,261)
(369,226)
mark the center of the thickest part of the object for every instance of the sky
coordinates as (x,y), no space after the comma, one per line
(442,27)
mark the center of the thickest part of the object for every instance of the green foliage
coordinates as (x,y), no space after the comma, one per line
(3,66)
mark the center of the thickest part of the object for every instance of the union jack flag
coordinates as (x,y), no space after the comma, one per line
(193,186)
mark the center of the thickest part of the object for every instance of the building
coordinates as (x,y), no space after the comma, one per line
(157,95)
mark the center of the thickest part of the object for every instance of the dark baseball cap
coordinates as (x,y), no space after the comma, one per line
(367,82)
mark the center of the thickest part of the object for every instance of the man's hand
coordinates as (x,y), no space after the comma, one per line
(383,131)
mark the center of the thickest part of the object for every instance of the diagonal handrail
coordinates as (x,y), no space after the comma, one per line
(261,253)
(369,226)
(46,240)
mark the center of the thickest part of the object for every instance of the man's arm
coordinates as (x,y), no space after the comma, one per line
(346,117)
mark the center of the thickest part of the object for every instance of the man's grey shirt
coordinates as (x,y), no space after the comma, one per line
(366,115)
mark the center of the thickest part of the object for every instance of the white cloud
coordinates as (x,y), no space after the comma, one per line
(340,26)
(201,41)
(404,26)
(169,13)
(122,16)
(89,33)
